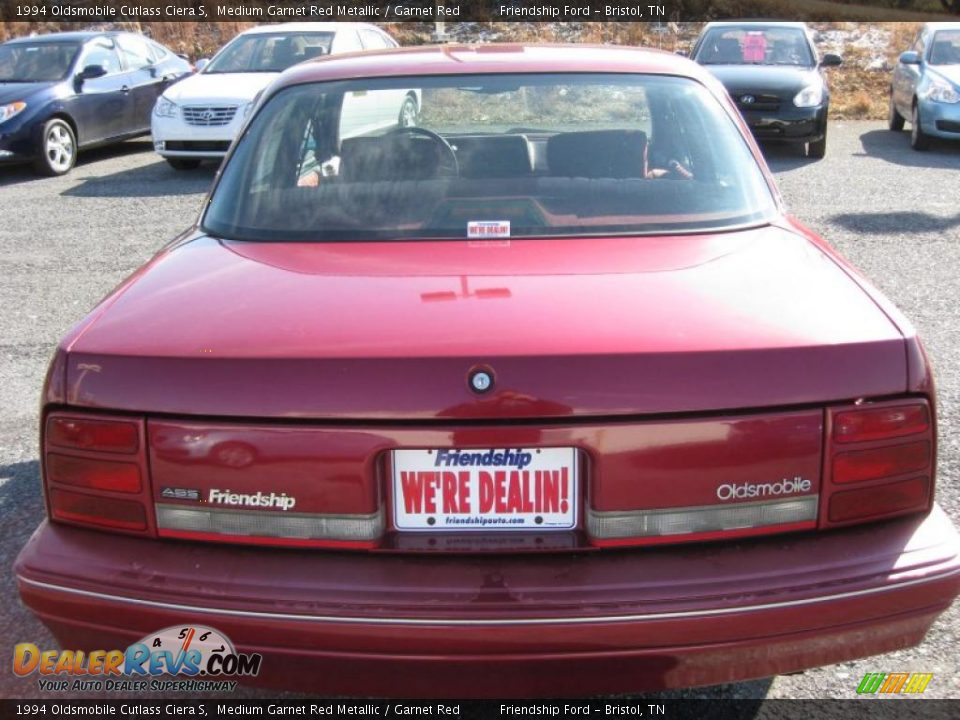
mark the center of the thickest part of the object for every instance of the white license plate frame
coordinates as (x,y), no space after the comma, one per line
(517,490)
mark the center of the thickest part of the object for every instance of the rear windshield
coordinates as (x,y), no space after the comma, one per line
(755,46)
(269,52)
(36,62)
(488,157)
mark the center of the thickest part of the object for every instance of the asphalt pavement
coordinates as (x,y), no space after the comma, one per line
(66,242)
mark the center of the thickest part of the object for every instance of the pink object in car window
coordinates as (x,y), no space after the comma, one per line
(754,47)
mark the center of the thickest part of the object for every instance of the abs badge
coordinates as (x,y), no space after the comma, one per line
(481,381)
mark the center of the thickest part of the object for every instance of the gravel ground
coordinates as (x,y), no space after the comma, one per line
(65,242)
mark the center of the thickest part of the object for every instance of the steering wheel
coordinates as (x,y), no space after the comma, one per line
(447,165)
(679,169)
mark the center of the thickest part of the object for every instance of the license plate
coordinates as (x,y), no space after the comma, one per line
(489,489)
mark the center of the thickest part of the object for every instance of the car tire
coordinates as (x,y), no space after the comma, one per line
(183,163)
(919,140)
(895,120)
(818,149)
(409,112)
(58,148)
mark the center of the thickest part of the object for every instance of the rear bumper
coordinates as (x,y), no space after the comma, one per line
(518,625)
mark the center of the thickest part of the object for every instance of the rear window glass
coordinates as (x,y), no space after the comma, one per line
(269,52)
(488,156)
(135,51)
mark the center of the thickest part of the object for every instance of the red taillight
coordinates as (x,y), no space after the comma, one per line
(882,462)
(880,423)
(897,498)
(93,473)
(93,434)
(97,510)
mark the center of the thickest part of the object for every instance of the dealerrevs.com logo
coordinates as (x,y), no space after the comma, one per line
(204,656)
(732,491)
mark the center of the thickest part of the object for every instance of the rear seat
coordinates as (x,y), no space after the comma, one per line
(369,159)
(389,158)
(493,156)
(598,154)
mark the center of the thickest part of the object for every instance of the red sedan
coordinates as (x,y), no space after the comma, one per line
(546,395)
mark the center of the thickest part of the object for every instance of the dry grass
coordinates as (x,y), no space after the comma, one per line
(838,10)
(858,105)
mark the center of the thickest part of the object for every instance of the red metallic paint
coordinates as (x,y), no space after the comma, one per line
(674,361)
(268,541)
(681,324)
(631,464)
(524,674)
(434,625)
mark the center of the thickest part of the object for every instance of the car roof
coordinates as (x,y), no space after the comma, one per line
(309,27)
(942,26)
(493,58)
(759,23)
(76,36)
(80,36)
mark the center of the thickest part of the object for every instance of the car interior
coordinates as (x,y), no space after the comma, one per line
(754,47)
(538,178)
(289,51)
(41,62)
(945,52)
(415,155)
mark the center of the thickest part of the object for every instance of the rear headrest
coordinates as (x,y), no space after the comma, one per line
(598,154)
(284,53)
(312,51)
(389,157)
(943,53)
(728,50)
(493,156)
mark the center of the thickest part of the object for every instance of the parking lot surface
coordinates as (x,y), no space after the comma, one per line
(66,242)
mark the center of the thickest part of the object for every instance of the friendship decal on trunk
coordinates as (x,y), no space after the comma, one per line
(485,489)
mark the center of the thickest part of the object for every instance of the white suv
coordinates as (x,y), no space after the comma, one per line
(198,118)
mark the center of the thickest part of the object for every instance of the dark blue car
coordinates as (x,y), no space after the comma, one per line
(64,92)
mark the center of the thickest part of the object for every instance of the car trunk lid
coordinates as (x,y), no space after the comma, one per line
(588,327)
